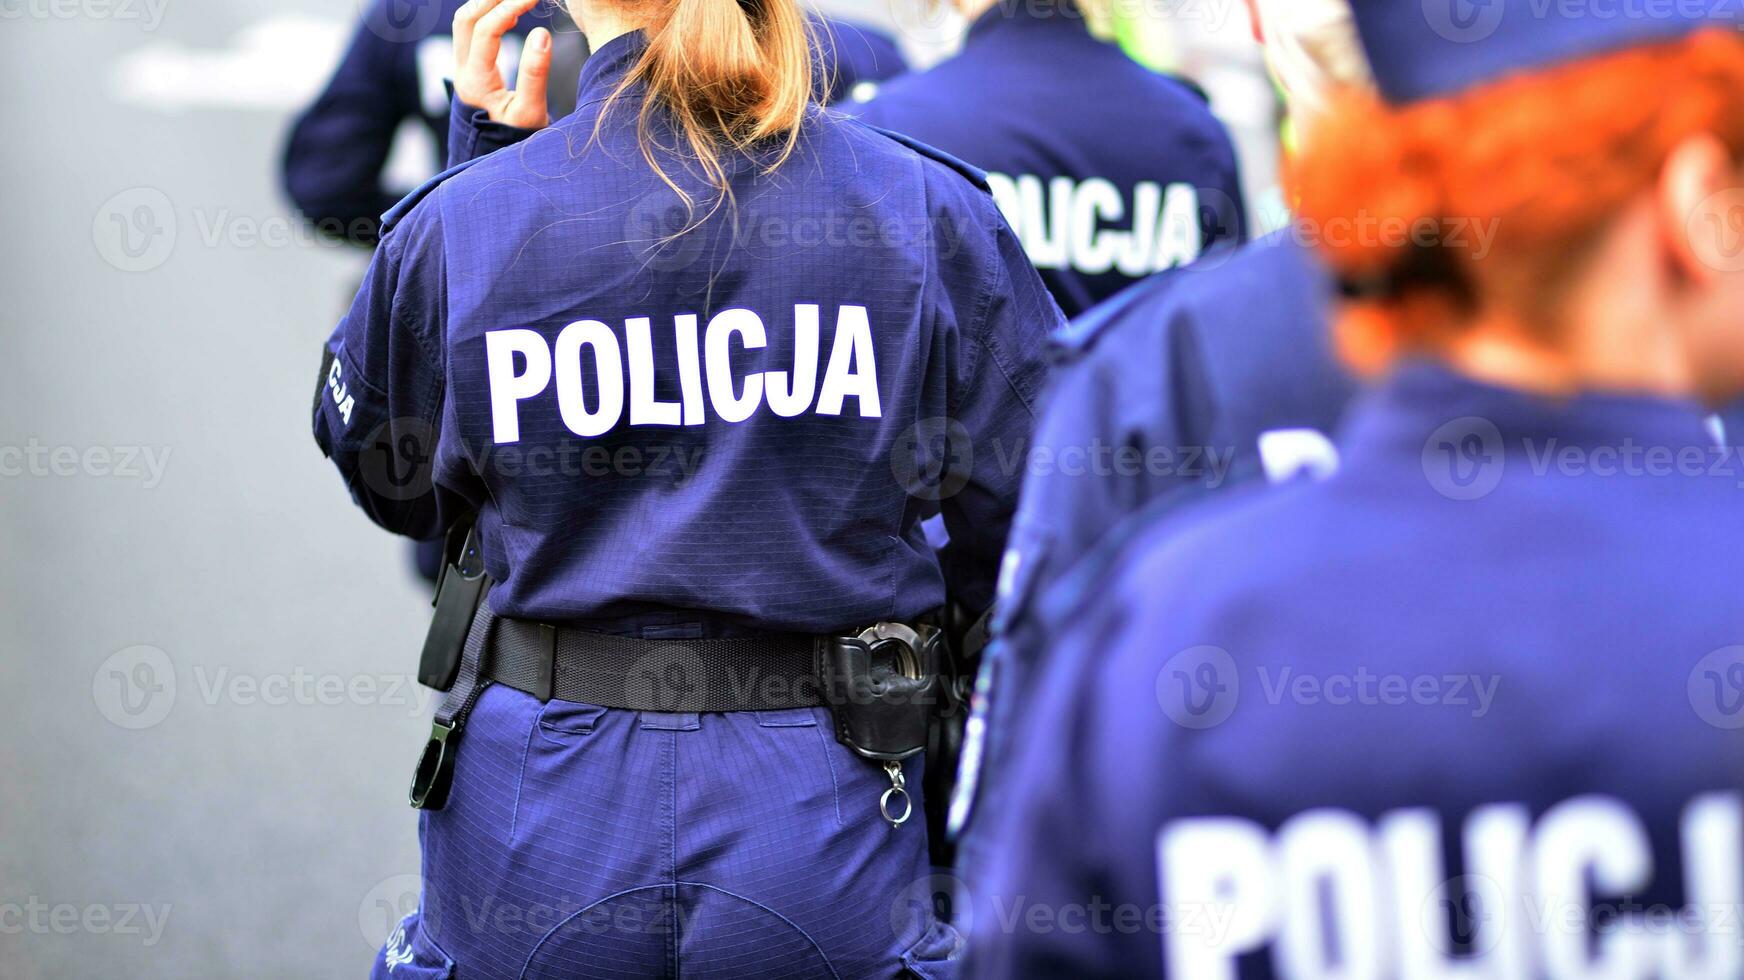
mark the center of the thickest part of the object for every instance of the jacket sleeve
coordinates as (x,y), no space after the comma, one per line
(334,157)
(379,399)
(991,407)
(472,133)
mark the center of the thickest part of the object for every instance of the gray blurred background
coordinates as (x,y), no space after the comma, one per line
(206,651)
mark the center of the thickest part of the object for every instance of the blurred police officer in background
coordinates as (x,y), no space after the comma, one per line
(395,69)
(1107,170)
(672,351)
(854,56)
(1464,704)
(1193,381)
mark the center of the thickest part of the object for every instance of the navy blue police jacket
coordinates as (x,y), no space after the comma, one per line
(1192,382)
(1473,702)
(394,68)
(1108,171)
(725,423)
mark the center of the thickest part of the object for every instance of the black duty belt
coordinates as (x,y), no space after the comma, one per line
(756,673)
(883,685)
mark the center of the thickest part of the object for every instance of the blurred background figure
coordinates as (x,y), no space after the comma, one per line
(854,57)
(1451,647)
(1193,381)
(394,70)
(1107,170)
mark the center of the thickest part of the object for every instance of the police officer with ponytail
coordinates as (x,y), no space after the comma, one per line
(1471,704)
(681,353)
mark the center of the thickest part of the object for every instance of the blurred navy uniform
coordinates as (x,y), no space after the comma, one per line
(395,68)
(1446,710)
(1192,382)
(1108,171)
(854,55)
(1574,633)
(704,438)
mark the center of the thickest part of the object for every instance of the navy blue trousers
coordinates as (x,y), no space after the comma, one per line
(587,842)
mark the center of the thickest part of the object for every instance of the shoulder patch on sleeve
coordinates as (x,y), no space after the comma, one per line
(976,175)
(392,216)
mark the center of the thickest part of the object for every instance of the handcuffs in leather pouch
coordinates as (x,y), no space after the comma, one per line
(884,687)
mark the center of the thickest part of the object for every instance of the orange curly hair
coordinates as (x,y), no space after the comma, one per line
(1540,162)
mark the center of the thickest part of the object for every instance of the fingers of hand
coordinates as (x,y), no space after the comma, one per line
(528,110)
(465,19)
(488,31)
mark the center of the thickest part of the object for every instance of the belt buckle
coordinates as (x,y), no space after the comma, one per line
(435,772)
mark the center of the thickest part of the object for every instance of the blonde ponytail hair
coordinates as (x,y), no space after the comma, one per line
(732,74)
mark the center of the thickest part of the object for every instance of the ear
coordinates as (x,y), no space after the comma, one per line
(1701,208)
